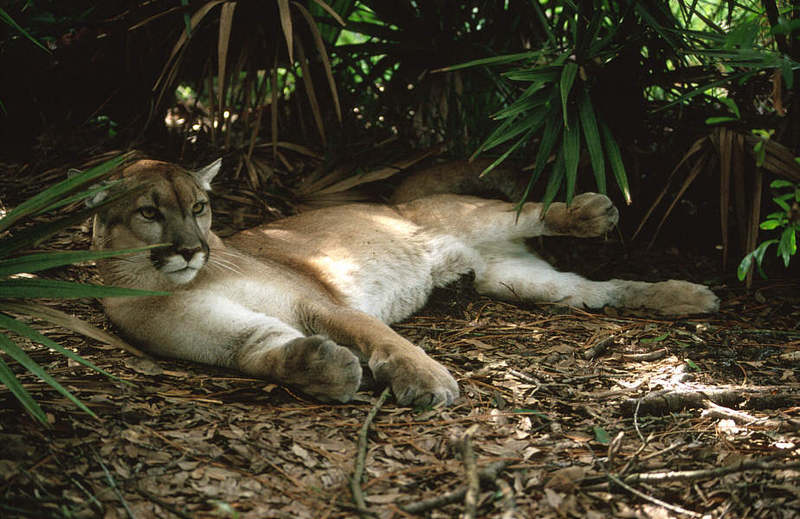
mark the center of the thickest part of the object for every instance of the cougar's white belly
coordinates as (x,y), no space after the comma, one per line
(392,283)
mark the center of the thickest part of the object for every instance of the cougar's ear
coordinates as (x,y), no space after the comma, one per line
(99,192)
(205,175)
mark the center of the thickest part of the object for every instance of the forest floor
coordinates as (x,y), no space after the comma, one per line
(563,413)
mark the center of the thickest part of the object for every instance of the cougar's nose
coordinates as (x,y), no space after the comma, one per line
(188,253)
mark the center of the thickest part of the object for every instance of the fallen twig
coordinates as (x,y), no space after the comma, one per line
(358,472)
(663,402)
(598,348)
(644,357)
(486,475)
(673,508)
(686,475)
(473,481)
(508,500)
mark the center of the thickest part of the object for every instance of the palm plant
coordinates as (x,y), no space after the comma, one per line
(245,60)
(19,283)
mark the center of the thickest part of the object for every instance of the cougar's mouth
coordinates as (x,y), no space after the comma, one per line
(180,271)
(181,275)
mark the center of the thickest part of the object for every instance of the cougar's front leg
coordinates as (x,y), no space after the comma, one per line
(415,378)
(215,330)
(316,365)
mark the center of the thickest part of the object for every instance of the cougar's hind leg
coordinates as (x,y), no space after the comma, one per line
(513,273)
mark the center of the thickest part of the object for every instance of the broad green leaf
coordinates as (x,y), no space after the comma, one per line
(615,159)
(572,155)
(779,183)
(48,260)
(768,225)
(600,435)
(16,353)
(594,145)
(8,378)
(719,120)
(692,365)
(787,247)
(565,86)
(55,289)
(731,104)
(781,201)
(744,266)
(9,323)
(761,250)
(756,256)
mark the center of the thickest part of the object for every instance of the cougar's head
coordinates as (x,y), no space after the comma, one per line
(166,205)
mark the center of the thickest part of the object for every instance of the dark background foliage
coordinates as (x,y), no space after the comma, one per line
(593,95)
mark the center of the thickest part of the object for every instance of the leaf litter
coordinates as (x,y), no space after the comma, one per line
(568,414)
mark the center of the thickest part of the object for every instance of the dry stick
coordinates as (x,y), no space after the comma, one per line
(762,397)
(598,348)
(644,357)
(684,475)
(487,475)
(358,473)
(719,412)
(508,500)
(473,481)
(672,508)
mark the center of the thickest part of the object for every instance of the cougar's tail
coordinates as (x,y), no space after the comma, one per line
(463,178)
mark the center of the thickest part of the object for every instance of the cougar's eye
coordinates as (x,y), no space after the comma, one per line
(148,212)
(198,208)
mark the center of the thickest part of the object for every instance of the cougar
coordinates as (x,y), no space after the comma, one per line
(304,300)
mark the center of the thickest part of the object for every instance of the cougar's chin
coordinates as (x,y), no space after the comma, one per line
(182,276)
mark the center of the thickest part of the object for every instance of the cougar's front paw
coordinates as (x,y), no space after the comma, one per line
(416,379)
(589,214)
(321,368)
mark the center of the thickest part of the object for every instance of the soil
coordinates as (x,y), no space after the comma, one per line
(563,413)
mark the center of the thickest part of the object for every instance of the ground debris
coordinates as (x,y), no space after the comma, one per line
(563,408)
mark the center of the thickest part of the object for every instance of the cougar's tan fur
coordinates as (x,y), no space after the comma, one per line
(306,299)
